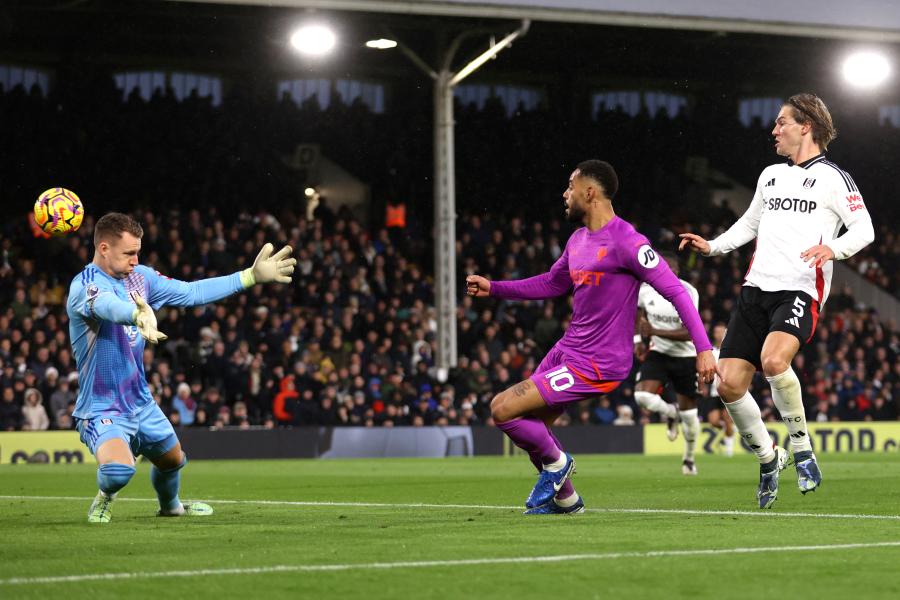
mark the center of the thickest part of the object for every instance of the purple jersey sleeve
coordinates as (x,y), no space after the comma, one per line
(649,267)
(551,284)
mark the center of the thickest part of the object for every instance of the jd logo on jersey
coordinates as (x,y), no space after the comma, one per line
(647,256)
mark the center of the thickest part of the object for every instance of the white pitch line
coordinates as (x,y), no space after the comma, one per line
(436,563)
(650,511)
(310,503)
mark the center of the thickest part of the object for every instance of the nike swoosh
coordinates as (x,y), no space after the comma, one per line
(556,488)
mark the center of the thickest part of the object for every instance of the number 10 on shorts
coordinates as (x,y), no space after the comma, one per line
(560,379)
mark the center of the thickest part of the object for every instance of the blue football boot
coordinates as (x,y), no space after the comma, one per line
(552,508)
(768,480)
(809,477)
(549,483)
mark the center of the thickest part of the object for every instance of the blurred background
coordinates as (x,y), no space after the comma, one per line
(219,127)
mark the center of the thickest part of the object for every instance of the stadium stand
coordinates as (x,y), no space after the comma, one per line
(352,342)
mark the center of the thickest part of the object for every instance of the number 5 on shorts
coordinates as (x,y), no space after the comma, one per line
(560,379)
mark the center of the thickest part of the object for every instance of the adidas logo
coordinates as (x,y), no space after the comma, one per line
(793,321)
(772,182)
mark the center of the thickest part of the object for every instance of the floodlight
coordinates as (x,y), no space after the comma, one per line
(314,40)
(381,44)
(866,69)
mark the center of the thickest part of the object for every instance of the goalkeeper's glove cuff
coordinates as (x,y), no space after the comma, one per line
(247,278)
(134,316)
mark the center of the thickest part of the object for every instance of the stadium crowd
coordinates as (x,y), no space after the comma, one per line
(352,341)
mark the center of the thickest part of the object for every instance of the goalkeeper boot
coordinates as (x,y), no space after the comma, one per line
(550,482)
(99,511)
(809,477)
(768,478)
(552,508)
(188,509)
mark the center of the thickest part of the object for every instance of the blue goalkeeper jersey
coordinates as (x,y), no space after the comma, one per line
(108,348)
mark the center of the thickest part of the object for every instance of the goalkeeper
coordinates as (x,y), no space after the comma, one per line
(110,308)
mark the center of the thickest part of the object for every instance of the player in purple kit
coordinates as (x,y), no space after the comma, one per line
(604,263)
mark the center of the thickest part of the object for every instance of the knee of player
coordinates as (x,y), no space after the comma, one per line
(687,402)
(499,412)
(774,365)
(730,389)
(112,477)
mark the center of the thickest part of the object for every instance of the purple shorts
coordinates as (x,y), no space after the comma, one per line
(561,379)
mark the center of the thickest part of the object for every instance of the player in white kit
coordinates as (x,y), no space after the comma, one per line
(715,416)
(669,362)
(796,215)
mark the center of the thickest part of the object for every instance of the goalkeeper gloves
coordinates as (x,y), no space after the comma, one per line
(145,320)
(269,267)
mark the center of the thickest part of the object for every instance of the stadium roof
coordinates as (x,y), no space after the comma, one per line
(868,20)
(565,50)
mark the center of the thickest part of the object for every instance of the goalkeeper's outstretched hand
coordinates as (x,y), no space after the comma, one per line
(145,320)
(270,267)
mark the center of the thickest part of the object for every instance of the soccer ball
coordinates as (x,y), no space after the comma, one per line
(58,212)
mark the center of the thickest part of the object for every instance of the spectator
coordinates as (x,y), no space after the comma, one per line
(60,399)
(624,415)
(184,404)
(10,412)
(34,415)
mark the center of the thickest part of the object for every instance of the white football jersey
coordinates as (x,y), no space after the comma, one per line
(662,315)
(795,208)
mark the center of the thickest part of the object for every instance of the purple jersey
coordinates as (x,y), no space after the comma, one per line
(606,268)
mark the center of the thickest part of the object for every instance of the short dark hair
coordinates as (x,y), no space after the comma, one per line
(603,173)
(113,225)
(809,108)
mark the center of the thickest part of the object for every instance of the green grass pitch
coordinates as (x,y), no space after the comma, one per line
(352,529)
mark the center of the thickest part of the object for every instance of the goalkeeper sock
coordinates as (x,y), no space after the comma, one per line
(167,484)
(112,477)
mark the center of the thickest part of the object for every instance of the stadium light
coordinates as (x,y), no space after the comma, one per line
(866,69)
(313,40)
(381,44)
(310,192)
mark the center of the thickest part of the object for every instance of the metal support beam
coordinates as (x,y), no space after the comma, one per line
(444,223)
(445,186)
